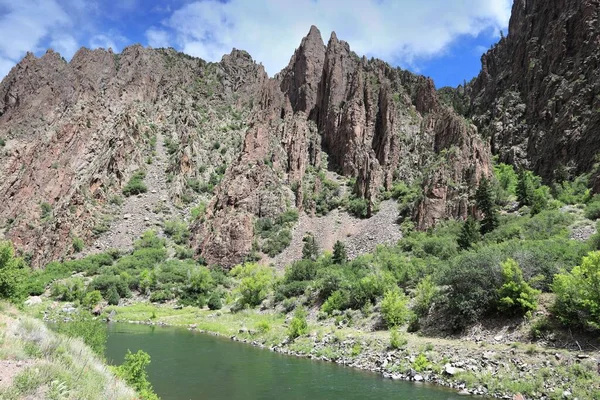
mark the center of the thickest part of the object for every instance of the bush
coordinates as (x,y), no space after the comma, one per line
(425,293)
(68,290)
(397,341)
(178,231)
(255,284)
(578,294)
(200,284)
(471,288)
(337,301)
(507,182)
(133,371)
(78,244)
(112,296)
(91,299)
(592,209)
(214,302)
(516,296)
(358,207)
(135,185)
(13,274)
(394,308)
(160,296)
(298,324)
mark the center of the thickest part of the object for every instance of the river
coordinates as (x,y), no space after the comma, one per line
(189,365)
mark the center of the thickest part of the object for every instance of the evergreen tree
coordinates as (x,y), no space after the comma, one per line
(525,188)
(310,250)
(484,197)
(469,233)
(339,253)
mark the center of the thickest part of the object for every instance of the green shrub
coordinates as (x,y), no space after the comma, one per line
(337,301)
(526,185)
(112,296)
(91,299)
(539,202)
(277,242)
(149,240)
(578,293)
(394,308)
(516,296)
(421,363)
(298,325)
(160,296)
(214,302)
(200,284)
(13,274)
(471,287)
(592,209)
(425,293)
(46,211)
(178,231)
(572,192)
(358,207)
(255,283)
(263,326)
(78,244)
(133,371)
(506,178)
(135,185)
(397,340)
(68,290)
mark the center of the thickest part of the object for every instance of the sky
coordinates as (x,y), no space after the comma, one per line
(443,39)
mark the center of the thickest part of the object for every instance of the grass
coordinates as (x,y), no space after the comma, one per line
(55,367)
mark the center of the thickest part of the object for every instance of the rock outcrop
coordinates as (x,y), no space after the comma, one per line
(374,123)
(537,96)
(76,132)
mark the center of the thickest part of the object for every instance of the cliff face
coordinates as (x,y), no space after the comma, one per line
(371,121)
(76,132)
(537,96)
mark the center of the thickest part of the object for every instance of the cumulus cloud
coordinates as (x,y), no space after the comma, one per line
(25,24)
(402,32)
(158,38)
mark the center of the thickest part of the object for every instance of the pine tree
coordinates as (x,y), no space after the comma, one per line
(484,197)
(339,253)
(310,250)
(469,234)
(525,188)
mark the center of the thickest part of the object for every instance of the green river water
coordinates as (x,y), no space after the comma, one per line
(188,365)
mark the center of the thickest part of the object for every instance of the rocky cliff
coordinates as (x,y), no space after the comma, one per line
(538,94)
(74,134)
(330,109)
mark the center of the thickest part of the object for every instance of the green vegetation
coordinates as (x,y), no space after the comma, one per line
(298,325)
(578,293)
(515,294)
(274,235)
(13,274)
(56,366)
(136,184)
(394,308)
(133,371)
(78,244)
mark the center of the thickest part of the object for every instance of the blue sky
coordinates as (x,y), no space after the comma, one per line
(443,39)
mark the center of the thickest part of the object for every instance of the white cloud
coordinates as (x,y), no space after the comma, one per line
(26,24)
(400,31)
(65,44)
(158,38)
(111,39)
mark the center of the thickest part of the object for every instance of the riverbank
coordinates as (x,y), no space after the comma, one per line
(487,369)
(37,363)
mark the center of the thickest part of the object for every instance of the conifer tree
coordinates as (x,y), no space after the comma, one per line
(339,253)
(469,234)
(484,197)
(310,250)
